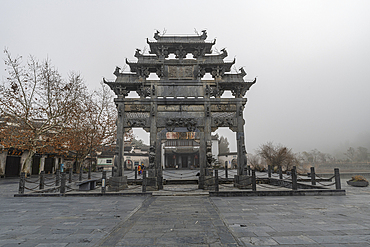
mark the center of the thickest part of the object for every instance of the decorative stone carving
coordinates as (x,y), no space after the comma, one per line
(209,153)
(151,156)
(162,51)
(137,53)
(160,71)
(242,72)
(117,71)
(204,34)
(180,52)
(223,122)
(224,53)
(189,123)
(143,72)
(239,91)
(201,71)
(136,123)
(143,92)
(214,91)
(218,72)
(241,111)
(119,90)
(198,52)
(156,35)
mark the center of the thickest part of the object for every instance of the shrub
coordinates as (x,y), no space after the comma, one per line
(358,178)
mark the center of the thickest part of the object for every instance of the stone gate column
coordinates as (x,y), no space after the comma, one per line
(240,138)
(120,138)
(119,182)
(154,151)
(158,161)
(202,160)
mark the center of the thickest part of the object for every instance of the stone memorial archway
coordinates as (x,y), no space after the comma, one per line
(180,100)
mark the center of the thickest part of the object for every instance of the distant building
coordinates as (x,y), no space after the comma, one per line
(231,159)
(184,153)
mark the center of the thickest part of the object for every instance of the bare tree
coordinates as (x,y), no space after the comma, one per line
(253,160)
(93,124)
(37,103)
(278,155)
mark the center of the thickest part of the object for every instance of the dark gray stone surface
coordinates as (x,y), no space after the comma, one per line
(299,221)
(184,220)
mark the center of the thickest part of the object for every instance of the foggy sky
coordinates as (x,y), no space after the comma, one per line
(312,58)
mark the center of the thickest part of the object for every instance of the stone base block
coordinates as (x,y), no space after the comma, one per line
(243,181)
(151,184)
(209,182)
(117,183)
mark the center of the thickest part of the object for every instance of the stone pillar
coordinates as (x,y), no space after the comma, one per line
(119,182)
(242,180)
(158,162)
(28,164)
(154,150)
(208,142)
(56,164)
(120,138)
(241,152)
(42,163)
(202,160)
(3,156)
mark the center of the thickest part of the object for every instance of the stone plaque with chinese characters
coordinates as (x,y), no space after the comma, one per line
(180,72)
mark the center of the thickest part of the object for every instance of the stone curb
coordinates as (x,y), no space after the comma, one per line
(279,193)
(210,193)
(85,194)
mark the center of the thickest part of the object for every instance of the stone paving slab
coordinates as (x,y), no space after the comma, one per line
(194,220)
(299,221)
(173,221)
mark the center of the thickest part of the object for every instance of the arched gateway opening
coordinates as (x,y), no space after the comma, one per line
(181,102)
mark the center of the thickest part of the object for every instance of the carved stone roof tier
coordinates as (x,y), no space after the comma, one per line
(180,76)
(180,46)
(181,39)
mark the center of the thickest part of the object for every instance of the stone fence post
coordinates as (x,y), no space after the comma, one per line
(294,179)
(42,180)
(22,182)
(63,183)
(80,175)
(226,170)
(280,172)
(269,171)
(144,181)
(57,177)
(254,186)
(103,182)
(216,180)
(313,176)
(337,179)
(70,173)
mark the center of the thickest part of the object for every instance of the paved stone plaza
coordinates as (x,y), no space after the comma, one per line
(184,220)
